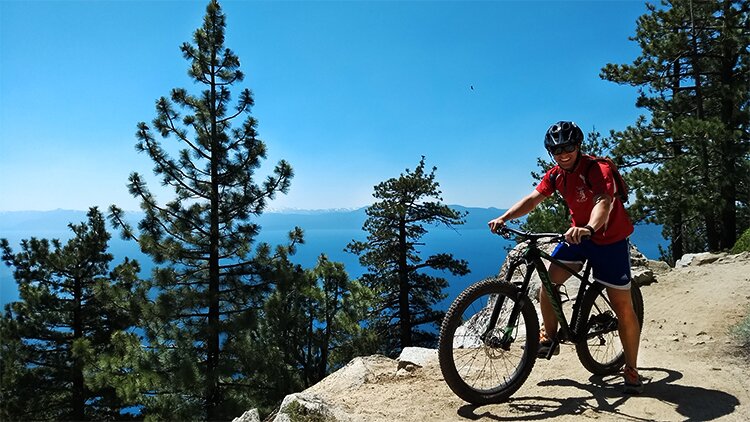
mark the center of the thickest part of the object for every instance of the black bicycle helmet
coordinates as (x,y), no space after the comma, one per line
(563,133)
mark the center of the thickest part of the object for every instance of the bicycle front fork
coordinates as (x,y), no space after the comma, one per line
(504,341)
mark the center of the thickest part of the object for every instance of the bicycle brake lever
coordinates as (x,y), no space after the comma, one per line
(502,231)
(558,239)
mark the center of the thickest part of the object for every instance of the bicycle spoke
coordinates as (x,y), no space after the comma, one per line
(602,352)
(483,363)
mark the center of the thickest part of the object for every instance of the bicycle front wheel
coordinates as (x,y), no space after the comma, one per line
(486,350)
(601,352)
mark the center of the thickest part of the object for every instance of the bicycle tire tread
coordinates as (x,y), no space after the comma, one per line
(451,322)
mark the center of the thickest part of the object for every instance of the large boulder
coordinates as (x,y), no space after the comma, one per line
(249,416)
(358,371)
(309,406)
(733,258)
(701,258)
(412,358)
(311,403)
(658,267)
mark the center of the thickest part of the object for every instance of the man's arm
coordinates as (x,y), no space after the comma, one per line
(600,212)
(598,219)
(521,208)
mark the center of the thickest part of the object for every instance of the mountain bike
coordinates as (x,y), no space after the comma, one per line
(489,337)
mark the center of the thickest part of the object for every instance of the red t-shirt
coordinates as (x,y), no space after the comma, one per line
(580,198)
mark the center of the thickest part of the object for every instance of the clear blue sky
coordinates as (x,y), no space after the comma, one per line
(350,93)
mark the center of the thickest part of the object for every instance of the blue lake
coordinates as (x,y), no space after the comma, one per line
(471,242)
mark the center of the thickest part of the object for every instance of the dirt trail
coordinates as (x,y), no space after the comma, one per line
(693,367)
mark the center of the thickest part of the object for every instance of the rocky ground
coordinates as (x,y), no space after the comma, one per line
(694,367)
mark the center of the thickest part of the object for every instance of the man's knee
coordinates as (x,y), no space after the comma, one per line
(559,275)
(621,301)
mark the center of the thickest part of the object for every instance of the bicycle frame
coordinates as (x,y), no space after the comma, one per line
(534,259)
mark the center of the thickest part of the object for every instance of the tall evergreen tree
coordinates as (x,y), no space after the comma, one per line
(691,155)
(405,292)
(71,307)
(211,281)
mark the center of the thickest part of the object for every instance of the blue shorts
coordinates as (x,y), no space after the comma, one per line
(610,263)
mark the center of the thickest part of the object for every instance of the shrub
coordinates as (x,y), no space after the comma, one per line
(743,243)
(742,333)
(299,413)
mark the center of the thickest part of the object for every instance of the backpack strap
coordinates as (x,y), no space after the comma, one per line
(554,174)
(593,161)
(620,187)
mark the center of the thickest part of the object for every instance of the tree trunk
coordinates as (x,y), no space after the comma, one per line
(709,213)
(403,281)
(677,220)
(728,187)
(213,393)
(78,395)
(676,241)
(327,334)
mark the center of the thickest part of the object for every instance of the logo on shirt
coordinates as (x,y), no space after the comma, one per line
(581,194)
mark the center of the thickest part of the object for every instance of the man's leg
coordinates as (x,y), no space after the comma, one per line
(558,275)
(628,326)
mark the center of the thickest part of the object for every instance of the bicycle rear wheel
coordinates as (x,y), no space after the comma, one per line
(483,365)
(602,352)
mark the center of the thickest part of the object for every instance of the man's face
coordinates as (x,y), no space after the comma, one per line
(566,156)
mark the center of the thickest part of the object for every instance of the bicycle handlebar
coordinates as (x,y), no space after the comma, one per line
(506,232)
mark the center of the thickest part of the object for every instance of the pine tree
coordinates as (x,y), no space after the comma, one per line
(339,307)
(405,293)
(315,318)
(211,281)
(691,157)
(71,308)
(278,337)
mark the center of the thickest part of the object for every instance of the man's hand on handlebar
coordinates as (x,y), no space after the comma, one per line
(574,235)
(496,224)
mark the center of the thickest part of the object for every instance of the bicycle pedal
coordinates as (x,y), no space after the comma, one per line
(548,350)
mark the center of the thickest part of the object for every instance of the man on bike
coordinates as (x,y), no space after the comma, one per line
(599,232)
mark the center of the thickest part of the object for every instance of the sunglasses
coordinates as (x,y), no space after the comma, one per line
(564,148)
